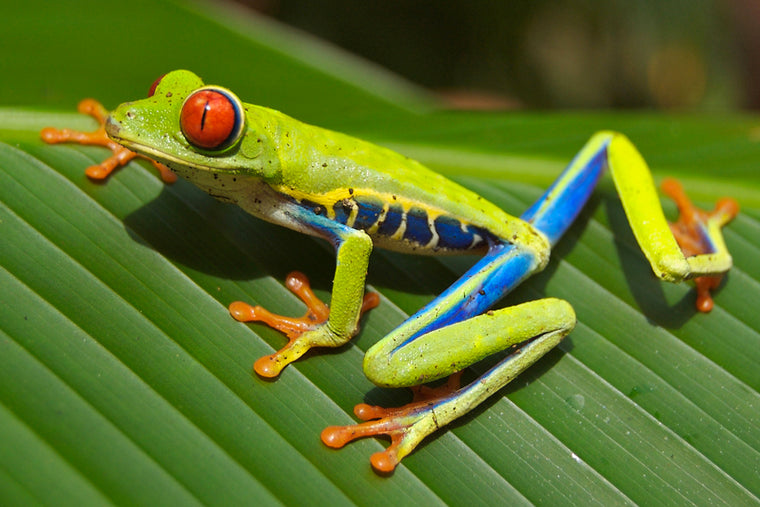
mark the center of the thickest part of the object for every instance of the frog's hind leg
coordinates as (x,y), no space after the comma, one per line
(444,336)
(691,248)
(528,331)
(452,332)
(448,335)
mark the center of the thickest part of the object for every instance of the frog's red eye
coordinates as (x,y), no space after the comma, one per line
(212,118)
(153,87)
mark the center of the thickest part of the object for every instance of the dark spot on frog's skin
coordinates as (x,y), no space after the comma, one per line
(350,191)
(324,165)
(168,95)
(216,176)
(394,197)
(258,140)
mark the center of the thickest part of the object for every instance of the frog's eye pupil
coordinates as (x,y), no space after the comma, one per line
(211,119)
(153,87)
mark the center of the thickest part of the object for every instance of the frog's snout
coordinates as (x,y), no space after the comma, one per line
(112,127)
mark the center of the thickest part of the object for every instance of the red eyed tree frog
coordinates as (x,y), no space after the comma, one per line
(355,194)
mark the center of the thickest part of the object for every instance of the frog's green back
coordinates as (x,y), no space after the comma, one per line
(331,170)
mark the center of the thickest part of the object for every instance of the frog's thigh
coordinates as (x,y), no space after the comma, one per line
(542,324)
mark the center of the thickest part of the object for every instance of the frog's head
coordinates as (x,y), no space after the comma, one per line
(198,131)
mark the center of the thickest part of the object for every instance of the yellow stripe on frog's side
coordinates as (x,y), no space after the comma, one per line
(328,199)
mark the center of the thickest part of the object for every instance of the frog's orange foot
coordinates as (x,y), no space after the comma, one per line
(407,425)
(317,313)
(691,233)
(121,155)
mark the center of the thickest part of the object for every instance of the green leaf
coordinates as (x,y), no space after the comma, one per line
(123,379)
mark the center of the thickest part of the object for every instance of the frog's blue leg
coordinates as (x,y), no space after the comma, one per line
(391,362)
(693,247)
(446,335)
(560,205)
(453,332)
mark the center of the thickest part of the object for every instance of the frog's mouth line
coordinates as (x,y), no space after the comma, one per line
(114,130)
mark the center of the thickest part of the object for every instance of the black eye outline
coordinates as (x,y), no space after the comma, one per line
(238,121)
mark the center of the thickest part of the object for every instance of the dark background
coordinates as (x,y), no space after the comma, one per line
(670,54)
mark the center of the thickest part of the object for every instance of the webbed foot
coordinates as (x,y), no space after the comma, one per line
(121,155)
(692,232)
(407,425)
(302,332)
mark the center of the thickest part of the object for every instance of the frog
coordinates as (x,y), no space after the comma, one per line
(358,196)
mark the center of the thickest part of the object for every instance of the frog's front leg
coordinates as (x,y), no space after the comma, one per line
(322,326)
(121,156)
